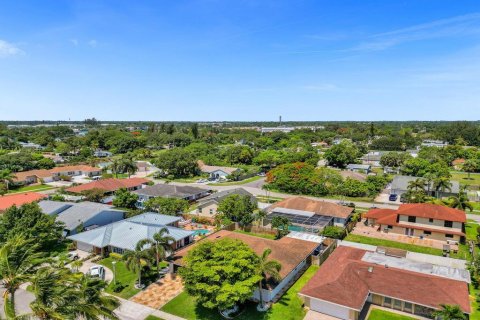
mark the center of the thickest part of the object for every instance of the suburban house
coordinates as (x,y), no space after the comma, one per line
(82,215)
(170,191)
(353,278)
(57,158)
(421,220)
(208,206)
(308,215)
(373,158)
(31,145)
(125,234)
(110,185)
(55,174)
(362,168)
(458,163)
(399,186)
(434,143)
(293,254)
(101,153)
(19,199)
(216,172)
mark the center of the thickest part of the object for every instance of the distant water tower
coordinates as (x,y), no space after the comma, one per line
(280,120)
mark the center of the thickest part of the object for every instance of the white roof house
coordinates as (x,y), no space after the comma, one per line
(124,235)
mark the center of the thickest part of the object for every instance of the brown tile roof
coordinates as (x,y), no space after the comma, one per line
(208,169)
(109,185)
(288,251)
(323,208)
(81,167)
(41,173)
(19,199)
(458,161)
(345,280)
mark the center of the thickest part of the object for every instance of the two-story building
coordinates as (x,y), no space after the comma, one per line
(421,220)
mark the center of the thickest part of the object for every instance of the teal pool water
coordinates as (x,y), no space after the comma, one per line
(295,228)
(200,232)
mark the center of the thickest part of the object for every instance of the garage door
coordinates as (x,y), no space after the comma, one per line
(330,309)
(84,247)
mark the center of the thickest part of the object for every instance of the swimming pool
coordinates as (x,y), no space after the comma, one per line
(200,232)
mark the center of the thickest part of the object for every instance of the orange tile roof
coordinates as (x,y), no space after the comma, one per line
(432,211)
(41,173)
(81,167)
(19,199)
(319,207)
(288,251)
(345,279)
(109,185)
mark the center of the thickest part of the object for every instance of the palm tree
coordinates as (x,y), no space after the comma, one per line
(162,243)
(18,262)
(450,312)
(461,201)
(94,304)
(417,184)
(6,177)
(116,167)
(267,267)
(259,216)
(136,259)
(129,166)
(442,184)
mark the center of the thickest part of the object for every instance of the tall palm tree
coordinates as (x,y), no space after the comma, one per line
(417,184)
(450,312)
(442,184)
(129,166)
(18,262)
(95,304)
(162,243)
(135,260)
(6,177)
(266,268)
(461,201)
(116,167)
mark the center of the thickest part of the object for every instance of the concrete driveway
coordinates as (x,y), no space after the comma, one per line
(87,264)
(23,298)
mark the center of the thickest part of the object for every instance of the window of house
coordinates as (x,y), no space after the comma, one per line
(427,232)
(430,220)
(211,211)
(407,307)
(448,224)
(412,219)
(449,236)
(117,250)
(387,301)
(397,304)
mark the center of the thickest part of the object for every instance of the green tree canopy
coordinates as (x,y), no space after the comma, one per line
(177,163)
(168,206)
(238,208)
(341,154)
(221,274)
(125,199)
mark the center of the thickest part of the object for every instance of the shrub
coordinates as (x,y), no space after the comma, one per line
(65,178)
(117,287)
(115,256)
(333,232)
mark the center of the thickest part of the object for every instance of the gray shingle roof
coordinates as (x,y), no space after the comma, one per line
(218,196)
(125,234)
(170,191)
(54,207)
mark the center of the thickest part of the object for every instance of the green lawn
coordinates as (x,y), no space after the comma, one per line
(234,183)
(150,317)
(261,235)
(123,276)
(393,244)
(462,178)
(377,314)
(37,187)
(289,307)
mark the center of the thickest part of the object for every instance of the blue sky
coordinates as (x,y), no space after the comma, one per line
(240,60)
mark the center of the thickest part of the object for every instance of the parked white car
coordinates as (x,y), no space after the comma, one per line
(73,255)
(97,272)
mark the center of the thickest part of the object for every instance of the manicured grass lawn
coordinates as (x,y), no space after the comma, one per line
(393,244)
(39,187)
(377,314)
(462,178)
(289,307)
(261,235)
(234,183)
(123,276)
(152,318)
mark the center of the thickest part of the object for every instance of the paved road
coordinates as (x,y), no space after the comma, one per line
(130,310)
(475,217)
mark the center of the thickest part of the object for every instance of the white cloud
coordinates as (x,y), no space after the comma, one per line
(92,43)
(455,26)
(8,49)
(75,42)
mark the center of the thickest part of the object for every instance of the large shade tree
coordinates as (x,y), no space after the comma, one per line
(221,274)
(238,208)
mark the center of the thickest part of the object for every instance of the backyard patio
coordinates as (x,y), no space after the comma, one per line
(160,292)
